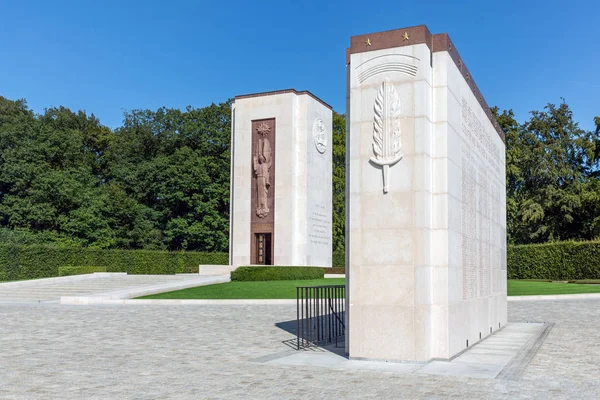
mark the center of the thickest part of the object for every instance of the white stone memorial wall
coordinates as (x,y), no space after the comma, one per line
(471,153)
(426,241)
(302,178)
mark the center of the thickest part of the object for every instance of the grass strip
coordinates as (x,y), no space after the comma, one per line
(246,290)
(287,289)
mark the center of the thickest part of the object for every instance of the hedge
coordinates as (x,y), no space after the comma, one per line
(39,261)
(276,273)
(78,270)
(549,261)
(334,270)
(555,261)
(338,259)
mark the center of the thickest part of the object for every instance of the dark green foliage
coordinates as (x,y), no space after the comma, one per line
(556,261)
(176,165)
(40,261)
(552,171)
(339,183)
(26,237)
(68,270)
(339,259)
(276,273)
(161,181)
(334,270)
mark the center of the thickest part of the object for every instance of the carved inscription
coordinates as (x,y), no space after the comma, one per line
(320,226)
(482,235)
(318,186)
(484,215)
(469,226)
(474,132)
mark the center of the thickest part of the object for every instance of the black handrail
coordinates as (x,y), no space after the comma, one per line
(320,315)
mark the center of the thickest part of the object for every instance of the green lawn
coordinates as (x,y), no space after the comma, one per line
(287,289)
(529,288)
(246,290)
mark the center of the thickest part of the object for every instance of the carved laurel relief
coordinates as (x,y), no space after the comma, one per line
(387,141)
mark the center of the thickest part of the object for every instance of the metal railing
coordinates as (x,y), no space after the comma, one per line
(320,315)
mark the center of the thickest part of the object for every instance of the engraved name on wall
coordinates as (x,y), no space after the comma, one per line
(320,225)
(477,137)
(482,186)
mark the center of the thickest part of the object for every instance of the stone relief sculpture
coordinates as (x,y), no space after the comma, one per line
(320,135)
(395,63)
(387,143)
(262,166)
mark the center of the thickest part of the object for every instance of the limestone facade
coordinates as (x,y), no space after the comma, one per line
(426,232)
(298,211)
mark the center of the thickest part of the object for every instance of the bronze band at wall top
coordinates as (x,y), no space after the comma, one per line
(420,35)
(261,94)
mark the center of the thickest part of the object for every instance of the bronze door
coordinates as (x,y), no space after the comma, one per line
(263,249)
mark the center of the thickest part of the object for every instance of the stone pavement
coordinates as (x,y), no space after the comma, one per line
(52,351)
(110,285)
(487,359)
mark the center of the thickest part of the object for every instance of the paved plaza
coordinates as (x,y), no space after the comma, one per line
(54,351)
(82,289)
(505,354)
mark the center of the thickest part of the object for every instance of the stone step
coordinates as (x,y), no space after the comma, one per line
(91,285)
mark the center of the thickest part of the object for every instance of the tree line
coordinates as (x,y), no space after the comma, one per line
(161,180)
(552,176)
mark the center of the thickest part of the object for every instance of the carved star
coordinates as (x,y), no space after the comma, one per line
(264,129)
(405,36)
(368,42)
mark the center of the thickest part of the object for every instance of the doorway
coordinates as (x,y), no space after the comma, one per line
(263,249)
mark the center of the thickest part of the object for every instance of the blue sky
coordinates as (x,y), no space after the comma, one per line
(110,56)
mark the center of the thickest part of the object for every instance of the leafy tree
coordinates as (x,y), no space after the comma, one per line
(514,174)
(52,180)
(551,177)
(161,180)
(44,170)
(339,181)
(176,163)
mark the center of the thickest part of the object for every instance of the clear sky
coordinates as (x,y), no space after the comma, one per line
(109,56)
